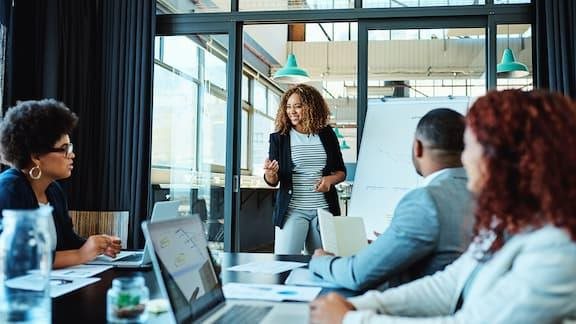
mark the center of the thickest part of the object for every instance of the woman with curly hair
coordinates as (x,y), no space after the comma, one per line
(520,156)
(35,141)
(306,160)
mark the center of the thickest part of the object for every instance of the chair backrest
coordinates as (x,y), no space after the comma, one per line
(88,223)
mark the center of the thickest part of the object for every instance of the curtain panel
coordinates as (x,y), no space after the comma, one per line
(97,57)
(555,50)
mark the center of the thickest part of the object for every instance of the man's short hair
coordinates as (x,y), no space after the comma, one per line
(442,129)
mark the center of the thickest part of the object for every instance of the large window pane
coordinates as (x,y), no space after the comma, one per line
(426,62)
(263,127)
(175,102)
(260,96)
(511,1)
(418,3)
(188,6)
(515,39)
(263,5)
(189,118)
(244,157)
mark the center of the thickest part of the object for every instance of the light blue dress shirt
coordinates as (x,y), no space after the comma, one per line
(430,228)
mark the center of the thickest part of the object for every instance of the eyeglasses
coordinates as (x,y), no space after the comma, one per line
(67,149)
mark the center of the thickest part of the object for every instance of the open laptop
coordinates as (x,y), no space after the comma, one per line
(138,259)
(185,274)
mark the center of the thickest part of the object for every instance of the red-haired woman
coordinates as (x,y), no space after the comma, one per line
(520,157)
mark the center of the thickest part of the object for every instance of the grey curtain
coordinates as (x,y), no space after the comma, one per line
(5,14)
(556,45)
(97,57)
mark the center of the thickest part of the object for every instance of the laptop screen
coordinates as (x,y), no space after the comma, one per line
(185,266)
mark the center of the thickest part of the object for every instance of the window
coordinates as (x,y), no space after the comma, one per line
(260,96)
(263,5)
(189,125)
(418,3)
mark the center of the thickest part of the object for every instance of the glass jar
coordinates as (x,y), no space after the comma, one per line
(126,300)
(25,264)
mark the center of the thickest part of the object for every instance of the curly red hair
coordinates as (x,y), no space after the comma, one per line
(529,144)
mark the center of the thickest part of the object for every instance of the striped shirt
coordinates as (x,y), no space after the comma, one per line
(308,160)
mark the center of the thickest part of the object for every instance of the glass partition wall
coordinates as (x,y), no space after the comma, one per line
(189,120)
(215,98)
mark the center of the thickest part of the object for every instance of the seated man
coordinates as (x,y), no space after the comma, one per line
(432,224)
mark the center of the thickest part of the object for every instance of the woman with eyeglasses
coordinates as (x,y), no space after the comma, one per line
(35,142)
(520,156)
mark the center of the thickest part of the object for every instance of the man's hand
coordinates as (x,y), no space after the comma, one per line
(329,309)
(375,234)
(321,252)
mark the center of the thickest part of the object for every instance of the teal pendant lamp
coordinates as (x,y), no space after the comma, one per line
(291,73)
(337,132)
(344,145)
(509,67)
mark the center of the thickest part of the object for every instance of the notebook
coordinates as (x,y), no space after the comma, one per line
(341,235)
(185,274)
(139,259)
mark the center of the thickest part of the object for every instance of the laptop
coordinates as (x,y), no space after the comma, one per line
(140,259)
(185,274)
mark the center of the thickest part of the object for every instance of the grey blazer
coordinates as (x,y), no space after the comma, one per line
(532,279)
(431,227)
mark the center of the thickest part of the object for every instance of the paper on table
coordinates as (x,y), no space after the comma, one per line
(119,256)
(58,285)
(61,286)
(235,290)
(80,271)
(270,267)
(305,277)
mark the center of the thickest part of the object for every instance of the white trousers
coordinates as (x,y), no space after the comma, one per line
(300,231)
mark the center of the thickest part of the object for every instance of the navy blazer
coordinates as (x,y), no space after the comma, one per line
(16,193)
(280,151)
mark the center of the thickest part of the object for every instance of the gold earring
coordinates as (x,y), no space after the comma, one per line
(38,174)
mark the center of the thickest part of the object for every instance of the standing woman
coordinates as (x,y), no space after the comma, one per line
(306,160)
(35,142)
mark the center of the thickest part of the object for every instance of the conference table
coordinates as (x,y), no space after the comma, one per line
(88,304)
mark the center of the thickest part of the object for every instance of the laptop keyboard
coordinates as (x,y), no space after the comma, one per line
(243,314)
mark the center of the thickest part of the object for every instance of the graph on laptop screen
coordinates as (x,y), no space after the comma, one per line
(182,253)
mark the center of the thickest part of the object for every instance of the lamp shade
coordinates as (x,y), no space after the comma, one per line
(337,132)
(291,73)
(509,68)
(344,145)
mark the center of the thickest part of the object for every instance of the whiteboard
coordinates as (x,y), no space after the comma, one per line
(384,172)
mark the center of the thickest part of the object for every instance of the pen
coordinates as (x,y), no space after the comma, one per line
(60,282)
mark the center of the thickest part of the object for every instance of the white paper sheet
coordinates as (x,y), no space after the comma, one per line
(80,271)
(58,285)
(305,277)
(61,286)
(234,290)
(269,267)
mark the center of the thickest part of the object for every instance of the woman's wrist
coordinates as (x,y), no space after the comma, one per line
(271,177)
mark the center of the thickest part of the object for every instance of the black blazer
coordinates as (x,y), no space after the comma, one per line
(280,151)
(16,193)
